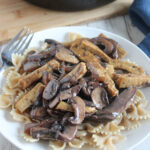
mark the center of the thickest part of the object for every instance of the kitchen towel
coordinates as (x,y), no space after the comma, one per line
(140,15)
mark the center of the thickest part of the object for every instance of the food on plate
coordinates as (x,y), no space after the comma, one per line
(76,93)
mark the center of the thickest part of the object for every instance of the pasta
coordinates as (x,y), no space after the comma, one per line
(28,138)
(57,145)
(5,101)
(76,143)
(17,60)
(19,117)
(12,79)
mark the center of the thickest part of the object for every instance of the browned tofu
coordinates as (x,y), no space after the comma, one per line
(128,66)
(118,64)
(95,50)
(63,106)
(94,66)
(131,80)
(28,79)
(110,70)
(28,99)
(77,73)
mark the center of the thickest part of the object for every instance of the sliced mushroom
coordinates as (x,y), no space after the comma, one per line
(39,113)
(99,97)
(30,66)
(38,97)
(44,132)
(120,103)
(39,56)
(65,86)
(77,73)
(109,46)
(72,92)
(51,89)
(28,126)
(79,110)
(41,133)
(89,103)
(47,123)
(68,134)
(45,78)
(52,42)
(66,55)
(56,114)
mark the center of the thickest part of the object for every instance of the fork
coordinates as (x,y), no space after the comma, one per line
(17,45)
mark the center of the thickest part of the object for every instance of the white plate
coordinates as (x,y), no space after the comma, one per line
(11,129)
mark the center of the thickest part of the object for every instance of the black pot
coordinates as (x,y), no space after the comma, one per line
(70,5)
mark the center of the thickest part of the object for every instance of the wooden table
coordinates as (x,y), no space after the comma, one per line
(120,25)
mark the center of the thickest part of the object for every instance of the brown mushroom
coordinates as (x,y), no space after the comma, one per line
(104,44)
(69,93)
(39,56)
(47,123)
(109,46)
(28,126)
(99,97)
(66,55)
(52,42)
(68,134)
(39,113)
(41,133)
(65,86)
(45,77)
(79,110)
(120,103)
(38,97)
(51,89)
(30,66)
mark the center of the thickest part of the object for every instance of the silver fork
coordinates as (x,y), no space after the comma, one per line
(17,45)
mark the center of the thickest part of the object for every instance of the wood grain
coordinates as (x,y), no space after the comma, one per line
(14,14)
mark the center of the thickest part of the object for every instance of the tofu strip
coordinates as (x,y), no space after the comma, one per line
(63,106)
(95,67)
(77,73)
(28,99)
(131,80)
(118,64)
(128,66)
(27,80)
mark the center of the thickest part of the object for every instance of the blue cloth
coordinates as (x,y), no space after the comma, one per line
(140,16)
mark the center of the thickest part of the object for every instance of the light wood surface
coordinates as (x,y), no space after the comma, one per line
(120,25)
(14,14)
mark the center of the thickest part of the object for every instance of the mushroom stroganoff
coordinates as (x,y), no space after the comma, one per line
(76,93)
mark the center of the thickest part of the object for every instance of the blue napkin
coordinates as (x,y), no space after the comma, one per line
(140,16)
